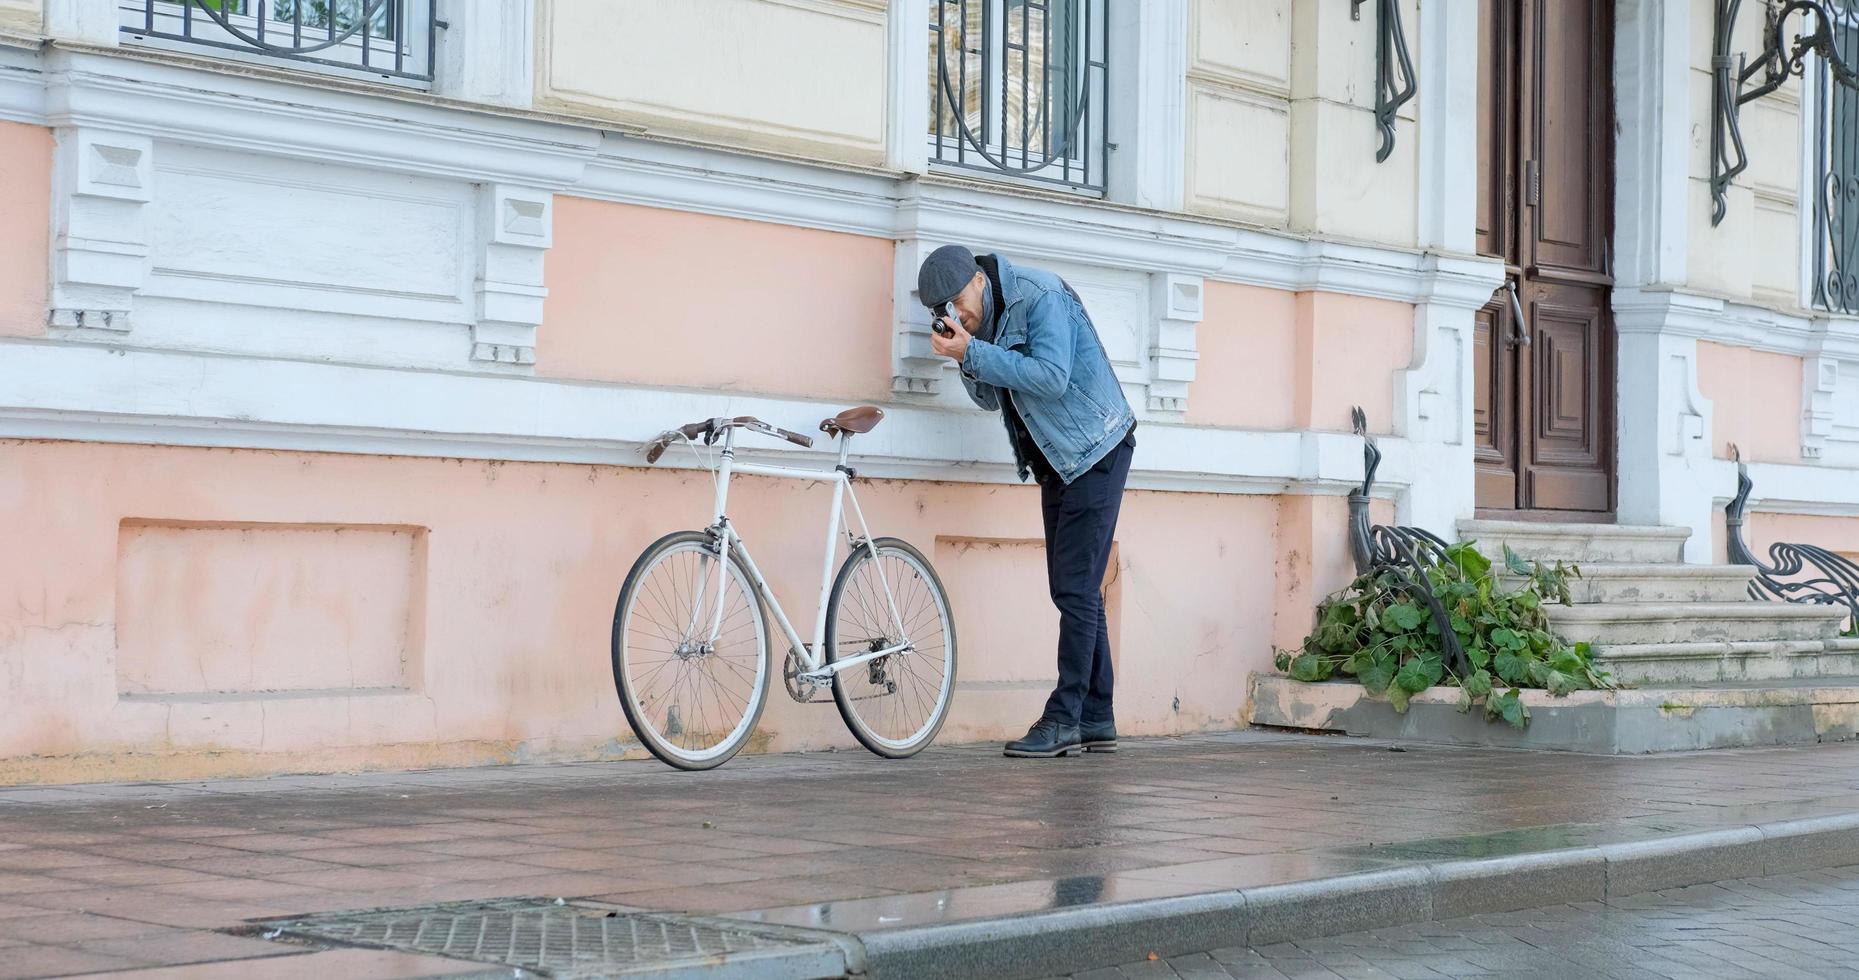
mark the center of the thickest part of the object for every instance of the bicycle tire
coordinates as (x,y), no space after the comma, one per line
(631,699)
(847,699)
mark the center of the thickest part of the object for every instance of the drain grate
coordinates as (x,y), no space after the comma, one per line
(568,940)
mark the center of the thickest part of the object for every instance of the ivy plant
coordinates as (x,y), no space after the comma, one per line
(1378,633)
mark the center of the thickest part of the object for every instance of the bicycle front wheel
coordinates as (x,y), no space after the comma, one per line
(887,597)
(692,683)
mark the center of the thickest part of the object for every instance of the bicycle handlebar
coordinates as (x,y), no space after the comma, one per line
(710,429)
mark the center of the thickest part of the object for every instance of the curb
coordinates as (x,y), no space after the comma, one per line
(1045,944)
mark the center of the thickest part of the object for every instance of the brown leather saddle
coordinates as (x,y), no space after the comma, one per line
(853,421)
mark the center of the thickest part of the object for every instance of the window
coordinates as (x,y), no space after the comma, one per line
(388,38)
(1018,89)
(1836,200)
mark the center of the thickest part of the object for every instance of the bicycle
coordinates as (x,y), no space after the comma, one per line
(690,639)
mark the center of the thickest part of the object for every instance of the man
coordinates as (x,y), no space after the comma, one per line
(1027,349)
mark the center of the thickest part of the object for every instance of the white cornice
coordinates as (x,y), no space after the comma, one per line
(176,102)
(63,390)
(1674,313)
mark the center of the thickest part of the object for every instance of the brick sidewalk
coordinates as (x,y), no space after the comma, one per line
(117,876)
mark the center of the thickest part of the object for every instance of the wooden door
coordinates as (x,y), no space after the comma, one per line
(1544,346)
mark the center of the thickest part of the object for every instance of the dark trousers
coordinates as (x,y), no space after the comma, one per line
(1081,520)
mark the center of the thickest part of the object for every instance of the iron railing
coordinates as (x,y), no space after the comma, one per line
(1394,70)
(1794,572)
(1836,148)
(1403,555)
(389,38)
(1019,89)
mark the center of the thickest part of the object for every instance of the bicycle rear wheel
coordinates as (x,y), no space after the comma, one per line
(692,700)
(896,703)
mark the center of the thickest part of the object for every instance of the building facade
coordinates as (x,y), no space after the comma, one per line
(330,330)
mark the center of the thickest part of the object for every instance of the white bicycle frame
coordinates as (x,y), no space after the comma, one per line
(812,659)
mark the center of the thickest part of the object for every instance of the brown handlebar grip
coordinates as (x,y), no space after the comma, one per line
(805,442)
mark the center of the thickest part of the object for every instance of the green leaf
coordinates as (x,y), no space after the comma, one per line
(1511,708)
(1412,677)
(1568,661)
(1434,666)
(1478,655)
(1405,615)
(1512,668)
(1479,684)
(1507,638)
(1465,700)
(1378,675)
(1515,564)
(1559,684)
(1282,660)
(1310,668)
(1398,698)
(1465,557)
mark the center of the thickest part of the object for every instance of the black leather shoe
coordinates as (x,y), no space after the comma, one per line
(1045,740)
(1098,736)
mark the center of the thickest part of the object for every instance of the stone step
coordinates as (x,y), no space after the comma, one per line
(1577,543)
(1654,583)
(1643,664)
(1615,623)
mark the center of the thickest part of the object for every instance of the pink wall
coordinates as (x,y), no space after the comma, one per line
(1838,534)
(480,632)
(1271,359)
(1756,401)
(1247,340)
(25,227)
(669,298)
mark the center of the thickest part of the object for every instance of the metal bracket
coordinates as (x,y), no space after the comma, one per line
(1392,62)
(1777,61)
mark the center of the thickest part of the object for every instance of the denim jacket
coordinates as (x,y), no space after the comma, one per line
(1046,352)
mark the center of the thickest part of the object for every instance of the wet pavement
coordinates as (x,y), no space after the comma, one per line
(1804,926)
(111,877)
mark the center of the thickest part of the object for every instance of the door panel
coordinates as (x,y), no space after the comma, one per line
(1494,423)
(1543,387)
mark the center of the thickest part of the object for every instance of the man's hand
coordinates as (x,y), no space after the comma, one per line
(954,347)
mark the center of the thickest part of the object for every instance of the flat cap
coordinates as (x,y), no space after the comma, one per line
(945,273)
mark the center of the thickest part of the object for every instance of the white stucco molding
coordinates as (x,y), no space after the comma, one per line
(1148,118)
(907,98)
(514,231)
(1652,86)
(1820,383)
(100,182)
(172,102)
(86,21)
(1448,127)
(1433,394)
(485,52)
(1175,310)
(51,390)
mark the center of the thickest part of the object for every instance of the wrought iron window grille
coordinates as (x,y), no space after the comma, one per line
(1019,90)
(1794,572)
(1394,69)
(1401,555)
(1836,162)
(392,39)
(1776,62)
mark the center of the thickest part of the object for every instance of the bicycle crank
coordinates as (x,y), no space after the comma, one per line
(800,687)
